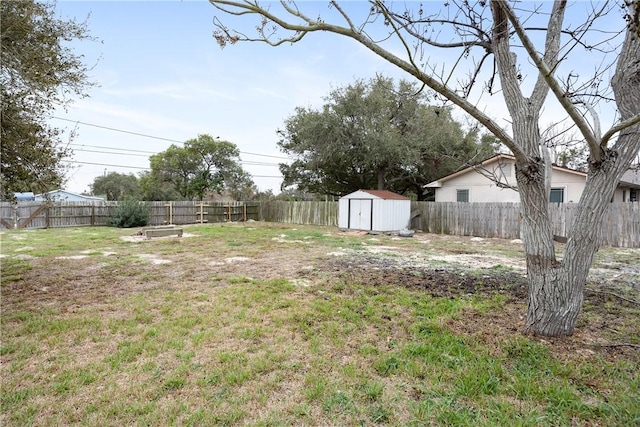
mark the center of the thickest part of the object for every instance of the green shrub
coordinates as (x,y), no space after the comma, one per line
(130,213)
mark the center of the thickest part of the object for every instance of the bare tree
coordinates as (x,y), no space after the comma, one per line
(524,56)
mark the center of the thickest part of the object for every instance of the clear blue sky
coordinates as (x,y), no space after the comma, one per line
(161,73)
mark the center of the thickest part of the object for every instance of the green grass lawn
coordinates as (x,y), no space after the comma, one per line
(249,324)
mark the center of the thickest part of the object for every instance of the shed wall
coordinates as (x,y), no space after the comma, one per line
(391,215)
(383,215)
(343,213)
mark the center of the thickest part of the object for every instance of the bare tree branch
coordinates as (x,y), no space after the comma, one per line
(625,124)
(552,47)
(495,175)
(547,74)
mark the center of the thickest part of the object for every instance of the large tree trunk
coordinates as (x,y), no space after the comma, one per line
(556,289)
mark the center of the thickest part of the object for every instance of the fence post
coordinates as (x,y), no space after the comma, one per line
(170,213)
(201,213)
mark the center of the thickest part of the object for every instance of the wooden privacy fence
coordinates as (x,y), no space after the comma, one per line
(621,224)
(54,215)
(186,212)
(316,213)
(500,220)
(74,214)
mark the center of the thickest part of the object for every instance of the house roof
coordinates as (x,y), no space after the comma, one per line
(384,194)
(28,195)
(631,178)
(486,162)
(59,191)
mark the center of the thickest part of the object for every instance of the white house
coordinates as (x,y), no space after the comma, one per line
(374,210)
(65,196)
(494,180)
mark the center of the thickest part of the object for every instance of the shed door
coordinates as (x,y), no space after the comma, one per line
(360,214)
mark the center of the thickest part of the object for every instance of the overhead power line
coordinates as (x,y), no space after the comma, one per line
(105,164)
(111,152)
(143,168)
(129,153)
(152,136)
(111,148)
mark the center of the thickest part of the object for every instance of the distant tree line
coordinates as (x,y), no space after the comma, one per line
(199,169)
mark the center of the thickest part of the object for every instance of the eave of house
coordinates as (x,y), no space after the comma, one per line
(628,184)
(434,184)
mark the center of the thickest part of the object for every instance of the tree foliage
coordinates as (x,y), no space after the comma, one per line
(39,72)
(375,134)
(131,213)
(153,189)
(117,186)
(524,54)
(201,166)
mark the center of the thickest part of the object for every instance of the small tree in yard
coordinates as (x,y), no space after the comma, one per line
(131,213)
(532,57)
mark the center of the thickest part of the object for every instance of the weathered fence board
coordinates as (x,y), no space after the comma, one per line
(468,219)
(317,213)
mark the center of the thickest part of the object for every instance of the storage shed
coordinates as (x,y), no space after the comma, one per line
(374,210)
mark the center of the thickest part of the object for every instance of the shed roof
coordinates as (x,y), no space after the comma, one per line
(384,194)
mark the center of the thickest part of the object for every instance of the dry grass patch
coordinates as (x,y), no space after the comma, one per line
(257,324)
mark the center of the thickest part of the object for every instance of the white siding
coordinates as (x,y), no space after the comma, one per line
(573,185)
(343,213)
(484,190)
(477,193)
(391,215)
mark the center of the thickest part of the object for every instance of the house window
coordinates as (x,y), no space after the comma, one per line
(633,195)
(556,195)
(462,195)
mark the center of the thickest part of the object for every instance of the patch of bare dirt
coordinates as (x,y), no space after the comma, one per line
(437,282)
(605,327)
